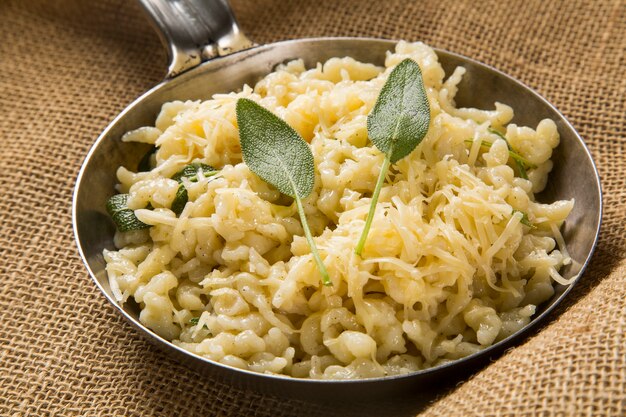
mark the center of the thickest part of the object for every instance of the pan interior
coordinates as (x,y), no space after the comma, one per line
(574,175)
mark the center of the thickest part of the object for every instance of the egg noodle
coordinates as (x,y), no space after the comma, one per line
(448,269)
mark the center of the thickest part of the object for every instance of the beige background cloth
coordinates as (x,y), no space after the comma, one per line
(68,67)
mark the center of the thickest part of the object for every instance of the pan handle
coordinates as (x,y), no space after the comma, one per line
(195,31)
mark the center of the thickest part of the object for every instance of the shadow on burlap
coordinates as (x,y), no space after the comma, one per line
(68,67)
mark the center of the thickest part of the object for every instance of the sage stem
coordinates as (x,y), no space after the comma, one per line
(307,232)
(372,211)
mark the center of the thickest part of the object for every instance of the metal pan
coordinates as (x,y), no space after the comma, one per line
(209,55)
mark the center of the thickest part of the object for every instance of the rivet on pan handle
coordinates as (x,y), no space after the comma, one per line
(195,31)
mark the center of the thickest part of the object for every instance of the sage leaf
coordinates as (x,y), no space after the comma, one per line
(145,164)
(400,118)
(277,153)
(396,125)
(123,217)
(191,173)
(180,200)
(274,150)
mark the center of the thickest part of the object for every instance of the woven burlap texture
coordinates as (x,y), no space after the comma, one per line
(68,67)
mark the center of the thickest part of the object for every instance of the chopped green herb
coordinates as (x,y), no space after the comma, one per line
(277,153)
(518,163)
(180,200)
(525,221)
(145,164)
(396,125)
(519,160)
(522,170)
(190,172)
(194,322)
(123,217)
(497,133)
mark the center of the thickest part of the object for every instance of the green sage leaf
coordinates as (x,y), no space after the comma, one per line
(180,200)
(123,217)
(401,116)
(396,125)
(145,164)
(277,153)
(191,172)
(274,150)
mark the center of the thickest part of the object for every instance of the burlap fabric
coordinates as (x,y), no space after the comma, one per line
(68,67)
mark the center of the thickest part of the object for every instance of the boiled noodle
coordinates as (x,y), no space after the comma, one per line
(448,268)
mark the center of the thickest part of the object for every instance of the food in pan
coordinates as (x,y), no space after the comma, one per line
(457,255)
